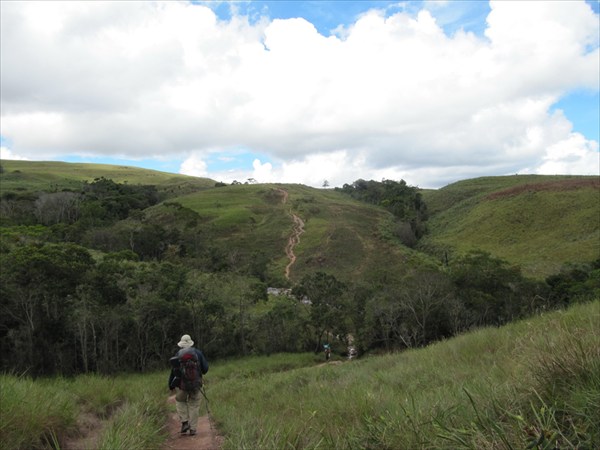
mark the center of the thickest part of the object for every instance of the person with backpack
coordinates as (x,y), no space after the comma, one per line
(187,368)
(327,350)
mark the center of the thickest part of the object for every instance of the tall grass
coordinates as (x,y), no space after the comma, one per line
(33,412)
(534,383)
(136,425)
(127,412)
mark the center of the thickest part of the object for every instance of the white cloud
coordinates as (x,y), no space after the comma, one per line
(262,172)
(194,166)
(35,130)
(387,97)
(315,169)
(6,153)
(572,156)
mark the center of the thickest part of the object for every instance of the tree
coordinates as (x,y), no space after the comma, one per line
(38,284)
(84,314)
(280,328)
(204,313)
(328,310)
(18,209)
(488,287)
(383,318)
(403,201)
(404,231)
(575,282)
(57,207)
(425,302)
(227,299)
(153,295)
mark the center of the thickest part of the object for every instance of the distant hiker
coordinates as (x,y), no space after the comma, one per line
(187,368)
(327,350)
(352,352)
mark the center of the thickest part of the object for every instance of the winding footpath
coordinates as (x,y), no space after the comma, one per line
(294,239)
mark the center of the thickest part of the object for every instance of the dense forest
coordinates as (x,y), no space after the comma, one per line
(403,201)
(95,279)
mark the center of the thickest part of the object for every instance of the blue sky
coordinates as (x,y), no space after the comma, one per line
(427,91)
(326,16)
(583,110)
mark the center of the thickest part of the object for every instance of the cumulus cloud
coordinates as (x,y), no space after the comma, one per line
(389,96)
(572,156)
(6,153)
(194,166)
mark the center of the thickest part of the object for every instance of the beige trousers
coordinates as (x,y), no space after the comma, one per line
(188,407)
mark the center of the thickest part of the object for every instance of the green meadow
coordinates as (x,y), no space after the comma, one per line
(534,383)
(537,222)
(51,176)
(341,235)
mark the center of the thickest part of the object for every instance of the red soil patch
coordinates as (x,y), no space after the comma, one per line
(562,185)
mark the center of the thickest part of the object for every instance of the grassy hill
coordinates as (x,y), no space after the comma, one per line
(341,236)
(538,222)
(32,176)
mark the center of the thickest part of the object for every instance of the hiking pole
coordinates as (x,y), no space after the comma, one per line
(203,392)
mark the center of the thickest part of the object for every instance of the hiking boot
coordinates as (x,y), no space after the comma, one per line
(184,427)
(192,432)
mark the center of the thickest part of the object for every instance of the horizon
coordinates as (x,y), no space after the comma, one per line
(254,181)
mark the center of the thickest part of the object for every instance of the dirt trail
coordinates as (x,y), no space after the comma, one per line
(292,242)
(207,437)
(91,427)
(294,239)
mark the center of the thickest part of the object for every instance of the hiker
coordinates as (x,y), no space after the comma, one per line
(327,350)
(187,368)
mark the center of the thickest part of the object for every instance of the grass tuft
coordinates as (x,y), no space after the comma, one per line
(34,412)
(130,411)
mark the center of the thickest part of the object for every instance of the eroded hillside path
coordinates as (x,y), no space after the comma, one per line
(206,438)
(294,239)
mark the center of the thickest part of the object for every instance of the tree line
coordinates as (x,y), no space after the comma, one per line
(65,312)
(403,201)
(90,283)
(426,305)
